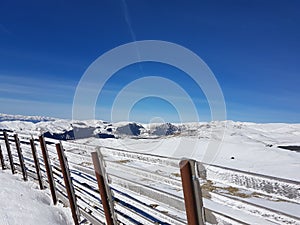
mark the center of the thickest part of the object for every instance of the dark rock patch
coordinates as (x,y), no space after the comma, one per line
(76,133)
(104,135)
(67,135)
(83,132)
(130,129)
(165,129)
(294,148)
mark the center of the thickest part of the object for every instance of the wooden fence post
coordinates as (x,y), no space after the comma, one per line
(192,193)
(104,190)
(21,158)
(36,163)
(68,182)
(2,159)
(48,168)
(11,161)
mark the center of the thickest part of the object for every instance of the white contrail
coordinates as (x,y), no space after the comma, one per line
(127,18)
(133,36)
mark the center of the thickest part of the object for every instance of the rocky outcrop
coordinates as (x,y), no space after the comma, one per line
(130,129)
(165,129)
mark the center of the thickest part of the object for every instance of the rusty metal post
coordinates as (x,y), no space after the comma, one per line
(11,161)
(21,158)
(2,159)
(36,163)
(103,189)
(48,168)
(68,182)
(191,192)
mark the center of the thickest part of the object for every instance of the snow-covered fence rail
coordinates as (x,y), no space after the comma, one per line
(221,190)
(2,159)
(82,196)
(48,168)
(141,193)
(141,203)
(68,182)
(21,158)
(12,167)
(159,182)
(36,163)
(192,193)
(277,187)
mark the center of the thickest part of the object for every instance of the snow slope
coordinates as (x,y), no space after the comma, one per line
(240,145)
(245,146)
(23,203)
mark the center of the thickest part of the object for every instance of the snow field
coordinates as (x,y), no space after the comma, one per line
(22,203)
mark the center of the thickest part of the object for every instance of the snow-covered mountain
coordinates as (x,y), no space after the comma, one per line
(67,129)
(261,148)
(267,134)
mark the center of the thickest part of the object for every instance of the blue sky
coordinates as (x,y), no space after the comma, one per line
(252,47)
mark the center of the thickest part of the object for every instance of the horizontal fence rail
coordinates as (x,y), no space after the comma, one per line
(104,185)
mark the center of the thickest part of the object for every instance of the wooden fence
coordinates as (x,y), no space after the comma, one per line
(121,200)
(115,186)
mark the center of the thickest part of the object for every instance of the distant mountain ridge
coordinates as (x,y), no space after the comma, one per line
(68,129)
(33,119)
(272,134)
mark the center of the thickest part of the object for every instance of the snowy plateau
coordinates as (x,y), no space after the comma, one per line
(271,149)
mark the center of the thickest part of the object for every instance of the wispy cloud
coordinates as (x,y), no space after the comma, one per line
(43,89)
(37,81)
(31,107)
